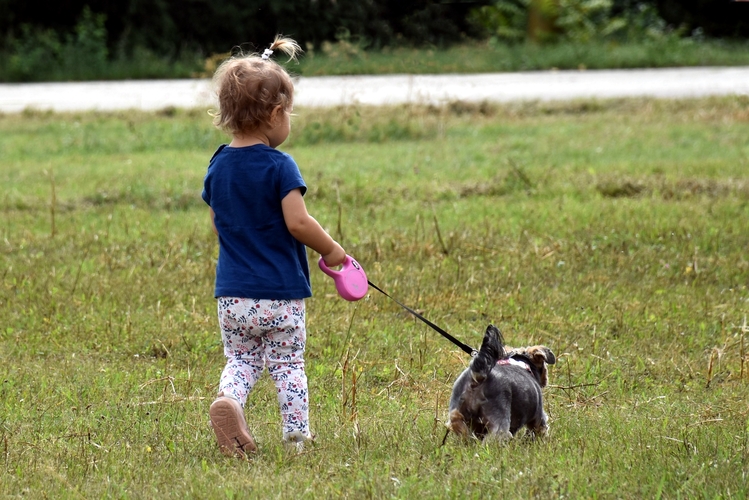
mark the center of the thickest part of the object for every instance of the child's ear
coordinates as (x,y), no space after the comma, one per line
(276,114)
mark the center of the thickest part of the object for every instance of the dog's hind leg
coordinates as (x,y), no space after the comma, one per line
(540,428)
(498,437)
(498,425)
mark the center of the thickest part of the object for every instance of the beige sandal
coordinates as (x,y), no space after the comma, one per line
(232,434)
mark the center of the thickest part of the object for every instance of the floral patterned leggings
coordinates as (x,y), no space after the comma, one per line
(259,333)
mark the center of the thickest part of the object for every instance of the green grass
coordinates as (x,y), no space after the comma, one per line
(345,58)
(614,232)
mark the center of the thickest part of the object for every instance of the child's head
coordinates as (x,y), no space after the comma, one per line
(250,87)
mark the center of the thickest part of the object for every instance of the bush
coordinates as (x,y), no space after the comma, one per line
(40,54)
(32,54)
(577,21)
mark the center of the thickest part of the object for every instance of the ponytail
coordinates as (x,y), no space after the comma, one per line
(285,45)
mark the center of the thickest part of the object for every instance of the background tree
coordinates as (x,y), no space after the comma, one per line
(715,18)
(173,26)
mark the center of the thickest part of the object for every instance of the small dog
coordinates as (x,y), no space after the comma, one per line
(500,392)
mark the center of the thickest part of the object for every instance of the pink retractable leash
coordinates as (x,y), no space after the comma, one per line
(351,281)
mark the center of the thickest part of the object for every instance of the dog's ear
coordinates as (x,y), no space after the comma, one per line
(548,356)
(542,354)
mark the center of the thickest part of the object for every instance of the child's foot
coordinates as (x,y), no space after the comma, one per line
(294,442)
(232,434)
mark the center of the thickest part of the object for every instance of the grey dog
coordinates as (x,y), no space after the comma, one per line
(500,392)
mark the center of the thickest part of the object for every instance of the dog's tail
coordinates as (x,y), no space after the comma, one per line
(492,349)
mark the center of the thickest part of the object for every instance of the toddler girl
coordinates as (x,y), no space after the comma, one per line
(262,276)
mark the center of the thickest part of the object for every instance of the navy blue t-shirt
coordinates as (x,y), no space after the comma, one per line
(258,257)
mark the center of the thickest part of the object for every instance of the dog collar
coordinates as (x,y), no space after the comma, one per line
(511,361)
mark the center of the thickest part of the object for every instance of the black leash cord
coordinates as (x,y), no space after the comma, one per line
(466,349)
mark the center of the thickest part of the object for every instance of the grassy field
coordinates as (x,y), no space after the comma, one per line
(346,58)
(614,232)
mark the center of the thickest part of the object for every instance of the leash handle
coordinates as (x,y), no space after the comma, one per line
(350,281)
(465,348)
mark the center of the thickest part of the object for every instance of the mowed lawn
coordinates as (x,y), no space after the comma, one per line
(614,232)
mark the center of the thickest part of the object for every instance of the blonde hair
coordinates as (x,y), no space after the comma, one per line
(249,87)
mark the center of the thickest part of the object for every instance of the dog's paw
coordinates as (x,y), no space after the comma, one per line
(541,431)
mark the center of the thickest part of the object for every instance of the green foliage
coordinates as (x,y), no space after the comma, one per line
(613,232)
(38,54)
(87,48)
(643,22)
(173,27)
(44,55)
(32,54)
(586,20)
(506,20)
(172,39)
(348,56)
(576,21)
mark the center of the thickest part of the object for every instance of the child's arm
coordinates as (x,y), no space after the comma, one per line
(308,231)
(213,220)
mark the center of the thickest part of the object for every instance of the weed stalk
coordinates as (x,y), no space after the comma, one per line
(742,353)
(52,203)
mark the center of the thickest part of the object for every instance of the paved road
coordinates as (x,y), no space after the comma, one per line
(391,89)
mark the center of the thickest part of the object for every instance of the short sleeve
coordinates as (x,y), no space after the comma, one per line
(290,177)
(206,194)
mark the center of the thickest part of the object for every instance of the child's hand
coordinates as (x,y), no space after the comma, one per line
(336,257)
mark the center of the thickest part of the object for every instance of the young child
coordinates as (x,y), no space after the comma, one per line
(262,275)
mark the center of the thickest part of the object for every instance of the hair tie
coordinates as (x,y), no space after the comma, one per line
(266,55)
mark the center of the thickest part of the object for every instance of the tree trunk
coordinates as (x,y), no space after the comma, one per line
(542,16)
